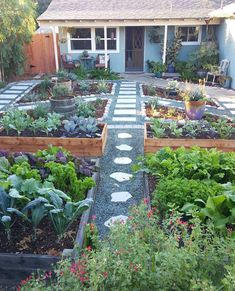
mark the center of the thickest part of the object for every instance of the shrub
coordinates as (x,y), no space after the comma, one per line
(103,74)
(60,91)
(143,255)
(179,191)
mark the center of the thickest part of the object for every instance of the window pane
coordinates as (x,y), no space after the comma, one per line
(100,44)
(111,33)
(99,32)
(81,44)
(111,44)
(82,33)
(183,31)
(193,33)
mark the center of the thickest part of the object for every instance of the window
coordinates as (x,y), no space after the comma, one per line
(111,38)
(190,34)
(81,39)
(92,39)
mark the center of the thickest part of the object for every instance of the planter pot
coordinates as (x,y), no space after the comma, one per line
(158,74)
(66,105)
(195,109)
(171,69)
(81,147)
(16,267)
(202,74)
(151,145)
(66,83)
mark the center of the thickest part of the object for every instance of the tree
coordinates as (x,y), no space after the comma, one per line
(17,24)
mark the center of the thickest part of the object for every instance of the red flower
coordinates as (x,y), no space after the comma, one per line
(146,200)
(105,274)
(89,248)
(150,213)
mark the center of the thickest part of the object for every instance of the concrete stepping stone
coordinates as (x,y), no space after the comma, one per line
(122,161)
(124,112)
(127,92)
(121,176)
(124,135)
(115,220)
(127,96)
(20,87)
(120,196)
(1,106)
(123,101)
(126,119)
(124,147)
(9,91)
(7,96)
(2,101)
(125,106)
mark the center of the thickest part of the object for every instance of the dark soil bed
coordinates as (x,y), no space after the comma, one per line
(46,242)
(58,133)
(160,92)
(93,89)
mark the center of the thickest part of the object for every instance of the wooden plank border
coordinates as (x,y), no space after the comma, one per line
(151,145)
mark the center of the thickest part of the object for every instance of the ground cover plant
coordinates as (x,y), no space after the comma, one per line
(147,254)
(202,129)
(83,88)
(21,123)
(42,196)
(198,182)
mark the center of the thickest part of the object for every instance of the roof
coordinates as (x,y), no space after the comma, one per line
(225,12)
(129,9)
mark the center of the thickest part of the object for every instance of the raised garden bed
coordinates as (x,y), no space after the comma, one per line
(82,147)
(153,144)
(161,92)
(22,256)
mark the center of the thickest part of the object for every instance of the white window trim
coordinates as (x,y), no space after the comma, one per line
(93,42)
(192,42)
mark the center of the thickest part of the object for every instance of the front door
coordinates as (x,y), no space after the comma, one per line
(134,48)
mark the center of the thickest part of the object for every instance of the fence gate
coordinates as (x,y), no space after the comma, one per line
(40,55)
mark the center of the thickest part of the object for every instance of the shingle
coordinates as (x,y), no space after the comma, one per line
(129,9)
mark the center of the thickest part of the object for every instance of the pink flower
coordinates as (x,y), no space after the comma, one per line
(146,200)
(93,217)
(89,248)
(105,274)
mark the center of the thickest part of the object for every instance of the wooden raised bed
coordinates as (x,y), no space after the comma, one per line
(151,145)
(16,267)
(82,147)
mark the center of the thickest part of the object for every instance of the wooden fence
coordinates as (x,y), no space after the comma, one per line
(40,55)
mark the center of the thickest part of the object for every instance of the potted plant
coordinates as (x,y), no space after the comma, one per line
(158,69)
(172,88)
(62,79)
(85,54)
(195,101)
(62,101)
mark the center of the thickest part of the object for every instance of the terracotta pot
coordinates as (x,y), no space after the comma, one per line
(195,109)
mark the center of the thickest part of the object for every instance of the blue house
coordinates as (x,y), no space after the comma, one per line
(128,33)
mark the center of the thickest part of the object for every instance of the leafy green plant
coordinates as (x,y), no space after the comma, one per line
(158,67)
(64,177)
(84,108)
(151,90)
(84,86)
(172,85)
(81,73)
(46,84)
(76,124)
(224,129)
(59,91)
(5,218)
(41,110)
(158,128)
(102,87)
(194,163)
(103,74)
(15,119)
(62,216)
(46,125)
(24,171)
(179,191)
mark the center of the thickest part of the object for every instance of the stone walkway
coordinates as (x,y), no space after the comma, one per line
(14,92)
(118,189)
(225,97)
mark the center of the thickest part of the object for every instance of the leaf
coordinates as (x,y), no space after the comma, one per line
(188,207)
(4,165)
(17,212)
(214,202)
(35,203)
(5,219)
(13,193)
(16,181)
(4,200)
(30,186)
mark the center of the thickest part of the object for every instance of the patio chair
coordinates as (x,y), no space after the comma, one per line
(68,62)
(221,71)
(100,61)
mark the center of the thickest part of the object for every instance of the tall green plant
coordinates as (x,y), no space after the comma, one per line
(17,24)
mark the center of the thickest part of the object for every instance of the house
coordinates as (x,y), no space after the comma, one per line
(131,32)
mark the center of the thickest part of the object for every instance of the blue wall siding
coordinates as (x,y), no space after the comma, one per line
(226,38)
(151,50)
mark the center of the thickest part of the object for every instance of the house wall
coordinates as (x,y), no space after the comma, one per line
(152,51)
(226,39)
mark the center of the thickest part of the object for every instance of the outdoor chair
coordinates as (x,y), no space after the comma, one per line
(68,63)
(100,61)
(221,71)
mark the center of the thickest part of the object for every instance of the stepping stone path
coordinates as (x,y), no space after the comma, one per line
(14,92)
(119,189)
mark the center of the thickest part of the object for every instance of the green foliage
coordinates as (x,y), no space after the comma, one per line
(84,86)
(15,119)
(46,84)
(145,255)
(17,24)
(59,91)
(172,50)
(24,171)
(41,110)
(64,177)
(194,163)
(156,67)
(103,74)
(102,87)
(150,90)
(2,85)
(172,85)
(186,71)
(81,73)
(84,108)
(179,191)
